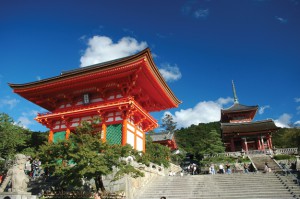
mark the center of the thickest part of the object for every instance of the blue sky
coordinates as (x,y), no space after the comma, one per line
(199,47)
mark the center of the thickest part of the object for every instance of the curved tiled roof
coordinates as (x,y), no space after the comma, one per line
(138,69)
(239,107)
(257,126)
(162,136)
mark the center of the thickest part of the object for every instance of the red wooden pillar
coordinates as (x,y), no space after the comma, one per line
(258,143)
(270,142)
(124,132)
(68,133)
(50,138)
(103,132)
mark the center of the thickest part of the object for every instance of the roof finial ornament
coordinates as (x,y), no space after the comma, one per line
(236,101)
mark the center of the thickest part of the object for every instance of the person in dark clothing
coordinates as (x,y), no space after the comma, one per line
(35,168)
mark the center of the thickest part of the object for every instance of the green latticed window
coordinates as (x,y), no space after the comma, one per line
(114,134)
(59,136)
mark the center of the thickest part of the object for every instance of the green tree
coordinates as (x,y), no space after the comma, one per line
(36,139)
(286,138)
(85,156)
(157,153)
(13,137)
(168,123)
(200,139)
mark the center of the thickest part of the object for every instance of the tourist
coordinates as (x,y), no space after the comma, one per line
(28,167)
(172,173)
(189,169)
(1,177)
(221,169)
(35,168)
(267,168)
(251,168)
(212,169)
(246,170)
(228,170)
(194,169)
(97,196)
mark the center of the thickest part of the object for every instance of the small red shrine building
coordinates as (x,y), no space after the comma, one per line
(120,92)
(165,138)
(240,132)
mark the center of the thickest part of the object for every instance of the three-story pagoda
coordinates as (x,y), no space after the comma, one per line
(240,132)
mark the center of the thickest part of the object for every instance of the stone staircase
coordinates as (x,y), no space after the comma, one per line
(290,181)
(232,186)
(260,160)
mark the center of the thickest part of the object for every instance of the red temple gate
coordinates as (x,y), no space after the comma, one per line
(120,92)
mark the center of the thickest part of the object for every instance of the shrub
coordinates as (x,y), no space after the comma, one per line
(284,157)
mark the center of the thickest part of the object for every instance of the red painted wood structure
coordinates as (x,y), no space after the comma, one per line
(165,138)
(120,92)
(240,132)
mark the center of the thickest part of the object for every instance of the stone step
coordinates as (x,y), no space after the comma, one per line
(220,196)
(219,186)
(220,192)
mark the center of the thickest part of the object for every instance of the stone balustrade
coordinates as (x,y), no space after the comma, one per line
(131,186)
(288,151)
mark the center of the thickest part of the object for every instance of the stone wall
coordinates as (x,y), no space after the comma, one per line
(132,186)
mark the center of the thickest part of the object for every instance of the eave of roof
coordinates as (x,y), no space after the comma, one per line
(263,125)
(143,56)
(236,107)
(80,71)
(161,136)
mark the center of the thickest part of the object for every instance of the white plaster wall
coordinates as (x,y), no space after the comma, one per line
(139,144)
(130,138)
(130,127)
(139,133)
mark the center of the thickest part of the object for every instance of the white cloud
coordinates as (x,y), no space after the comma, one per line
(262,109)
(201,13)
(7,101)
(170,73)
(283,121)
(102,48)
(298,110)
(222,101)
(281,20)
(27,118)
(203,112)
(24,122)
(82,38)
(297,99)
(297,123)
(194,9)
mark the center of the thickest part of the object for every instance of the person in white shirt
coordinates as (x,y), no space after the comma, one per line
(221,169)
